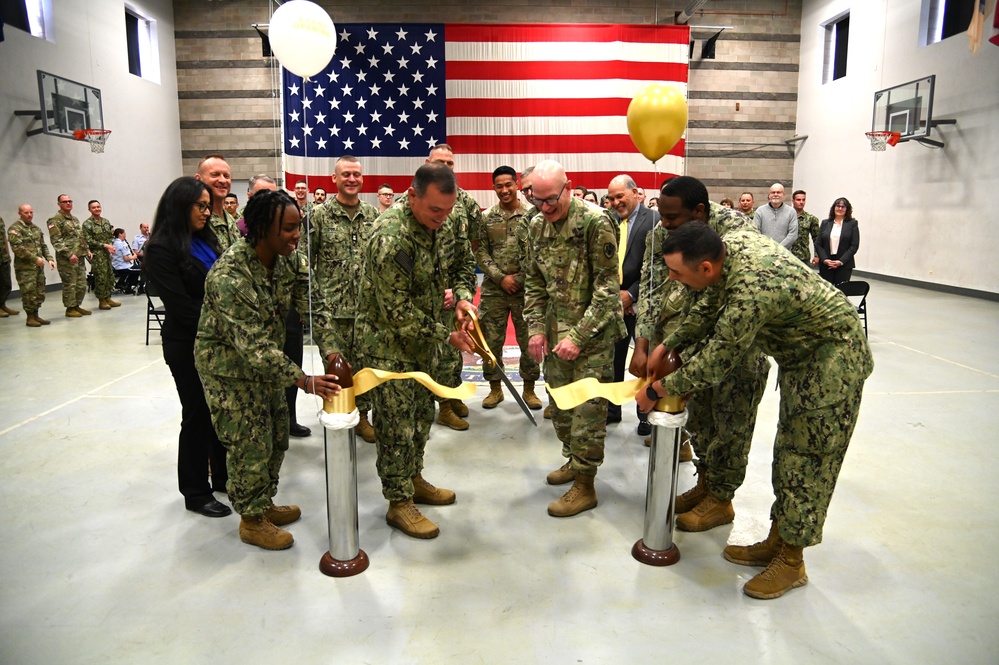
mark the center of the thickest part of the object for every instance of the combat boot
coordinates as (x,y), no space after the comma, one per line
(73,314)
(405,516)
(258,530)
(3,313)
(460,408)
(785,572)
(10,311)
(581,496)
(282,515)
(686,501)
(548,412)
(364,429)
(495,395)
(85,312)
(113,303)
(448,417)
(707,514)
(427,494)
(104,304)
(757,554)
(562,475)
(42,321)
(32,321)
(686,452)
(530,399)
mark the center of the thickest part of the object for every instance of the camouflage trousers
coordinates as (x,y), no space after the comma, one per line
(100,265)
(74,281)
(251,420)
(346,343)
(581,430)
(405,413)
(808,454)
(31,282)
(721,421)
(493,314)
(449,359)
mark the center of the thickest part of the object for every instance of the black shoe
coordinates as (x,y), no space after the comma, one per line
(613,418)
(211,508)
(299,430)
(644,428)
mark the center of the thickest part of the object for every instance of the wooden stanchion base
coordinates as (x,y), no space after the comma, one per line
(334,568)
(652,557)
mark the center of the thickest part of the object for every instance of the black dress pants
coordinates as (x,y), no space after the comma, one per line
(294,348)
(620,359)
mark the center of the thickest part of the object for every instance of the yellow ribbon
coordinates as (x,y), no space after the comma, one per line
(572,395)
(368,378)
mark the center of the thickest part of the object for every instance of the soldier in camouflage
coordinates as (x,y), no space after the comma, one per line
(464,222)
(721,419)
(248,293)
(400,325)
(30,255)
(499,256)
(214,171)
(5,285)
(97,233)
(765,298)
(808,227)
(66,236)
(573,311)
(339,231)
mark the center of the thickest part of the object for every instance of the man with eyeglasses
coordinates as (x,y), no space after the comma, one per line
(573,311)
(777,220)
(386,197)
(66,235)
(214,171)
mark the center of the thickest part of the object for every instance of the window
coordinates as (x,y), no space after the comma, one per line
(941,19)
(32,16)
(837,39)
(142,45)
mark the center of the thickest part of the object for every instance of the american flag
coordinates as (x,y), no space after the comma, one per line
(498,94)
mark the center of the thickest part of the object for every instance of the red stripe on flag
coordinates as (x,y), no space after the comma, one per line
(472,144)
(582,32)
(518,108)
(540,70)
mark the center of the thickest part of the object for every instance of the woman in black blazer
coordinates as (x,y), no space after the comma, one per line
(839,231)
(178,255)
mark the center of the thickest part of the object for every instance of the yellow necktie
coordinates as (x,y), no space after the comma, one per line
(622,249)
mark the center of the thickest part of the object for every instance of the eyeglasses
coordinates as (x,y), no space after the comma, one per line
(66,201)
(385,194)
(840,205)
(528,192)
(203,207)
(551,201)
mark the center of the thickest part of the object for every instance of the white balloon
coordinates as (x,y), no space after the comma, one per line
(302,37)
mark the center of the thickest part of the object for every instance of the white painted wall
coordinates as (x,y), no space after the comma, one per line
(925,214)
(143,153)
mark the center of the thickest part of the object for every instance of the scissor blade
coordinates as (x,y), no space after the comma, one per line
(517,396)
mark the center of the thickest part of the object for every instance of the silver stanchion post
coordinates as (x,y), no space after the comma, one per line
(345,557)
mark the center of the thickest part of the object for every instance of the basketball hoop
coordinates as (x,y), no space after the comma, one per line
(98,137)
(880,140)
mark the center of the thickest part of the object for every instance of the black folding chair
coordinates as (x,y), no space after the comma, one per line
(155,313)
(857,290)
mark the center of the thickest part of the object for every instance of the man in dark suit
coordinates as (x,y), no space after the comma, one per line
(623,196)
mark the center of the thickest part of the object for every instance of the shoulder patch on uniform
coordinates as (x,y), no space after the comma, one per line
(405,261)
(12,232)
(609,250)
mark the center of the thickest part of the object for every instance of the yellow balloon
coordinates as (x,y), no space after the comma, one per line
(657,118)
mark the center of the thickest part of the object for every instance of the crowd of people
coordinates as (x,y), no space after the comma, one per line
(581,278)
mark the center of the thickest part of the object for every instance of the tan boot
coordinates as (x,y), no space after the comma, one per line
(686,451)
(73,314)
(562,475)
(757,554)
(282,515)
(258,530)
(707,514)
(32,321)
(104,304)
(44,322)
(686,501)
(548,412)
(85,312)
(785,572)
(460,408)
(3,313)
(581,496)
(114,303)
(10,311)
(364,429)
(406,517)
(448,417)
(427,494)
(530,399)
(495,395)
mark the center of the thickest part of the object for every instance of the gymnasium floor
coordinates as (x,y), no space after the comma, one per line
(101,563)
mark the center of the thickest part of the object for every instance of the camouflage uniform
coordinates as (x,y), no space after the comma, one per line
(571,291)
(225,230)
(768,300)
(27,243)
(722,418)
(97,233)
(66,235)
(5,285)
(499,254)
(336,246)
(244,372)
(808,226)
(400,314)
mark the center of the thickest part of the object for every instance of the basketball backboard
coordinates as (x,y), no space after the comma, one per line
(906,108)
(68,106)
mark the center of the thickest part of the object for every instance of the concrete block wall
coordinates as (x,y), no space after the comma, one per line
(227,104)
